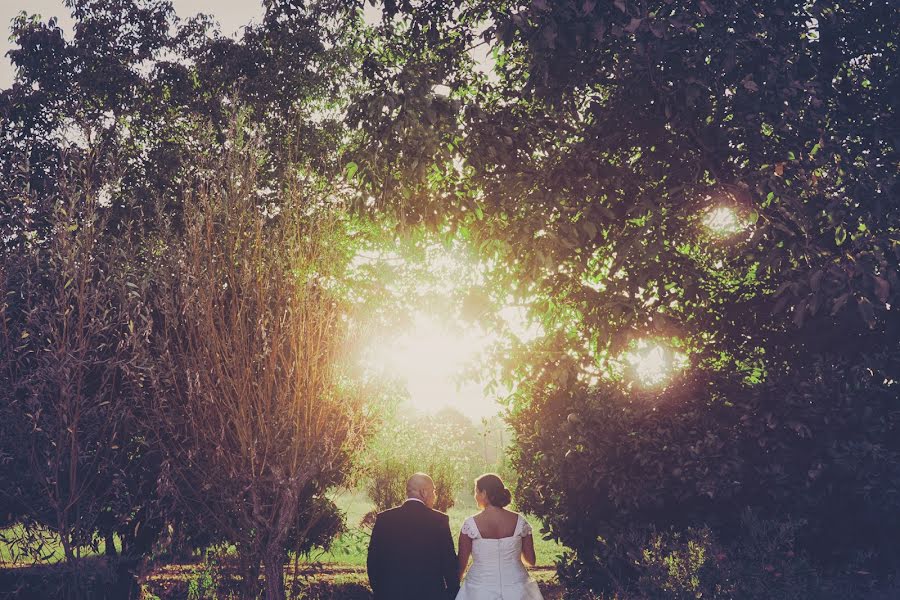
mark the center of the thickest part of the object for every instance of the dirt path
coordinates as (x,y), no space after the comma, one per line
(180,581)
(316,582)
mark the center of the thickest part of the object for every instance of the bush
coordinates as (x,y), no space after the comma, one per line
(254,411)
(319,522)
(680,565)
(762,563)
(93,578)
(387,482)
(72,373)
(441,446)
(818,451)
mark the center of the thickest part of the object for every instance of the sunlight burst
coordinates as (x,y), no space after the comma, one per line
(723,221)
(441,349)
(652,363)
(429,350)
(430,359)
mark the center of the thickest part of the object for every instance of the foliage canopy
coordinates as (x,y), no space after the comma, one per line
(582,147)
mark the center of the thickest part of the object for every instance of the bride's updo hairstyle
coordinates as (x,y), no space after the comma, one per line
(492,485)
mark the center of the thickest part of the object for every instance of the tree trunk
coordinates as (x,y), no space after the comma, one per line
(250,579)
(63,531)
(110,543)
(274,563)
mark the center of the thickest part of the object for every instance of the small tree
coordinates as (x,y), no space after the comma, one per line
(443,446)
(70,368)
(253,411)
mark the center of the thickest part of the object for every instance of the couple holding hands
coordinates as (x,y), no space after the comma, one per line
(411,554)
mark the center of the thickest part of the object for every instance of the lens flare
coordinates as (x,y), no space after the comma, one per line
(652,363)
(430,359)
(723,221)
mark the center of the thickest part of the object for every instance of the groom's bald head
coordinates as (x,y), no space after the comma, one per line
(421,487)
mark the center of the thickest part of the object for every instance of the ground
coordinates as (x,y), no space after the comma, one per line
(350,549)
(338,573)
(327,582)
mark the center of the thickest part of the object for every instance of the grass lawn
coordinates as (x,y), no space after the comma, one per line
(338,574)
(347,550)
(51,552)
(330,582)
(350,549)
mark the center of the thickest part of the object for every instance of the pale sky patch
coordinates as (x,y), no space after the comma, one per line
(232,16)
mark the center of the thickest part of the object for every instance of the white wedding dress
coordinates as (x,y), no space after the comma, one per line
(497,572)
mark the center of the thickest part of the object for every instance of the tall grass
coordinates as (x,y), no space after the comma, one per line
(351,548)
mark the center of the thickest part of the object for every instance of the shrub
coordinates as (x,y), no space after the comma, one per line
(387,483)
(204,585)
(254,411)
(599,464)
(319,522)
(435,445)
(91,578)
(72,370)
(762,562)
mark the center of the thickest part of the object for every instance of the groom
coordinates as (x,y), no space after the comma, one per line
(411,554)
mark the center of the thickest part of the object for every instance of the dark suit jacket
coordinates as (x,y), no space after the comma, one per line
(411,555)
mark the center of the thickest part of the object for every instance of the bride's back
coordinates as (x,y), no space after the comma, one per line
(496,556)
(499,542)
(497,523)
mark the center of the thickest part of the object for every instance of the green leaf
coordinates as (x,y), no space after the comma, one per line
(351,169)
(867,312)
(840,235)
(800,312)
(839,303)
(882,288)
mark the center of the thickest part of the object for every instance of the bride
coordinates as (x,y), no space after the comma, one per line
(500,543)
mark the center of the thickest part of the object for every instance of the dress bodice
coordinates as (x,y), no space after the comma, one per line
(496,563)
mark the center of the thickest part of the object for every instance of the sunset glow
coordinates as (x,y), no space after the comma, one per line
(431,359)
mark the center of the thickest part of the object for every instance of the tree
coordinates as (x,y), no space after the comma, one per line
(253,410)
(405,445)
(587,164)
(152,89)
(143,94)
(71,368)
(87,92)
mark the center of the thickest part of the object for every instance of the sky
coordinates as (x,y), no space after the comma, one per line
(428,357)
(231,15)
